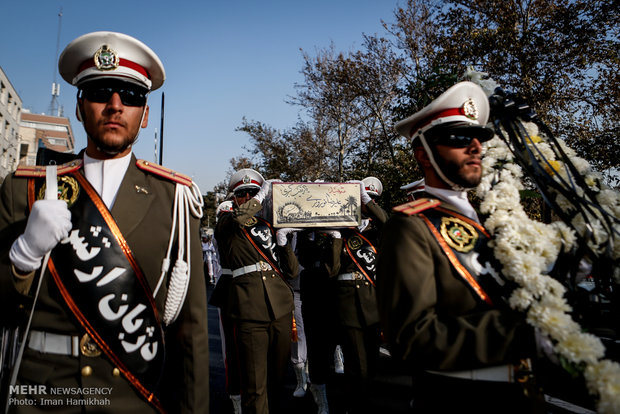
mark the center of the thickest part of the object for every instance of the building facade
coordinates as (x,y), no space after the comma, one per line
(37,131)
(10,113)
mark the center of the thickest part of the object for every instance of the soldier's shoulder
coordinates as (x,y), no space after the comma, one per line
(35,171)
(163,172)
(414,207)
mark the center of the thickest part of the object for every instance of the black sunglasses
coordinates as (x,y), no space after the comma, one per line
(131,95)
(457,141)
(246,191)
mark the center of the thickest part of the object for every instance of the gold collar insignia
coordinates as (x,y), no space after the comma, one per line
(459,235)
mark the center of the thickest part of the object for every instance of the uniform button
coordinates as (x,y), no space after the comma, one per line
(366,283)
(264,277)
(272,276)
(116,372)
(87,371)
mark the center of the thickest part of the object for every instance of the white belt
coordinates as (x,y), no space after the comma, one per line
(500,373)
(351,276)
(256,267)
(226,271)
(51,343)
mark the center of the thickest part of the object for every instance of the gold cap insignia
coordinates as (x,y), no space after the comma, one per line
(106,58)
(470,110)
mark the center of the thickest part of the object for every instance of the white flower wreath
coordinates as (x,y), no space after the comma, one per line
(527,250)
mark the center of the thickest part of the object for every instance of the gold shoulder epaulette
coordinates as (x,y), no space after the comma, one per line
(164,172)
(416,206)
(39,170)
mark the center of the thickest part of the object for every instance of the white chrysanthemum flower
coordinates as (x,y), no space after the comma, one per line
(521,299)
(514,169)
(497,219)
(599,236)
(556,323)
(483,188)
(487,84)
(581,165)
(566,233)
(609,198)
(511,183)
(531,128)
(508,194)
(497,149)
(580,347)
(556,289)
(553,298)
(603,378)
(487,163)
(567,150)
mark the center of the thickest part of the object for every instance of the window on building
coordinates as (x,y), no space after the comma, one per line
(58,141)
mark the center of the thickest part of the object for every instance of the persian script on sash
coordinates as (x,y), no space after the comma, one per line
(316,204)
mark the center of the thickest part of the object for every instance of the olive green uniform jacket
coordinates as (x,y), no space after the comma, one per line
(356,300)
(143,212)
(430,315)
(259,296)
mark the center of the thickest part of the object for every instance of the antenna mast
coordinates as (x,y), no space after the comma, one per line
(55,108)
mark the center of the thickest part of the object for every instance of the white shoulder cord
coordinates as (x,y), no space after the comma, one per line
(51,193)
(185,200)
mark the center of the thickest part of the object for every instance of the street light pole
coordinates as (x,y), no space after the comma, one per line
(161,132)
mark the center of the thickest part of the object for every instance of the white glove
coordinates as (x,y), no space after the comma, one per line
(334,234)
(281,235)
(363,193)
(49,222)
(264,190)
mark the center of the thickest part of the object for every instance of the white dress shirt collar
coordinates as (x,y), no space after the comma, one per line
(106,176)
(457,198)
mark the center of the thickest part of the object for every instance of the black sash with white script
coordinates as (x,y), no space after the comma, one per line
(363,254)
(260,234)
(465,243)
(104,287)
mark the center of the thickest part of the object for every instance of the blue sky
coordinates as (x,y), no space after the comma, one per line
(224,60)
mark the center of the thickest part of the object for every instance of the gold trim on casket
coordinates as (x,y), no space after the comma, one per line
(316,204)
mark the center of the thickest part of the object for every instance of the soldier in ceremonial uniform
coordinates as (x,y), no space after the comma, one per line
(412,188)
(442,310)
(353,276)
(260,301)
(108,317)
(315,254)
(219,298)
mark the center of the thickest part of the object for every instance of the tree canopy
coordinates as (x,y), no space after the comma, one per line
(561,56)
